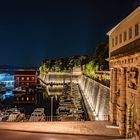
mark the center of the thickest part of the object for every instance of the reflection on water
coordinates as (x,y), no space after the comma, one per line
(7,80)
(7,99)
(8,102)
(55,90)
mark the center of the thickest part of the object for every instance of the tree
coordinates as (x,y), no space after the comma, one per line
(57,65)
(43,69)
(90,69)
(101,54)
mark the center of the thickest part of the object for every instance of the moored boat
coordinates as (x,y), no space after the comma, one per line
(38,115)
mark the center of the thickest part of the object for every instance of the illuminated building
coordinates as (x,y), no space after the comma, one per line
(124,55)
(25,77)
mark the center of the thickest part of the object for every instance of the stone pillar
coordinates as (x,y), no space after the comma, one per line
(122,111)
(113,86)
(129,121)
(137,104)
(128,108)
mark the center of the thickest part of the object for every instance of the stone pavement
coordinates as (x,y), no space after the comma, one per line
(16,135)
(88,129)
(84,127)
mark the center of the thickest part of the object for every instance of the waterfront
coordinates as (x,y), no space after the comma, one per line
(10,99)
(8,102)
(50,98)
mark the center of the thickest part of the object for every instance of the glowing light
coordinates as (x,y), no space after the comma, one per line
(7,80)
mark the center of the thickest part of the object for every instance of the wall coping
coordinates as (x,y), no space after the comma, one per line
(97,82)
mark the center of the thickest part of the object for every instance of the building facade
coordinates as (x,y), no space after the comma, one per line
(124,57)
(25,77)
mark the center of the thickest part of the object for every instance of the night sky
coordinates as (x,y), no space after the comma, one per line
(33,30)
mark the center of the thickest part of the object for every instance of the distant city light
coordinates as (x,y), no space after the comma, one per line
(7,80)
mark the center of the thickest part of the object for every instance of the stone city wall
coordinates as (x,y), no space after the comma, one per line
(96,97)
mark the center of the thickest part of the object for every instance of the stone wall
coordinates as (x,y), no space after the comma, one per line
(96,98)
(57,77)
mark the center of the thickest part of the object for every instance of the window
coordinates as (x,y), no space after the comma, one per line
(112,42)
(130,33)
(33,78)
(17,78)
(125,36)
(22,78)
(136,29)
(120,38)
(116,40)
(28,78)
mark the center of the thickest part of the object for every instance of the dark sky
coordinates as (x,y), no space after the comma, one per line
(33,30)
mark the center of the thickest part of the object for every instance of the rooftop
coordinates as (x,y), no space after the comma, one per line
(124,20)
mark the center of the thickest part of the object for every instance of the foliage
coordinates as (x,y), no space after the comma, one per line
(45,94)
(63,64)
(90,65)
(104,77)
(98,63)
(90,69)
(43,69)
(100,55)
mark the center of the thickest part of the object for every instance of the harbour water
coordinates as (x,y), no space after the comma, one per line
(8,97)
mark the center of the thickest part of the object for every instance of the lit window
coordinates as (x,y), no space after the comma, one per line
(112,42)
(27,84)
(27,98)
(125,36)
(116,40)
(136,29)
(28,78)
(130,33)
(120,38)
(22,78)
(17,78)
(33,78)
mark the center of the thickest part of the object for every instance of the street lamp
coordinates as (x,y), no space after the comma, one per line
(51,108)
(71,81)
(70,66)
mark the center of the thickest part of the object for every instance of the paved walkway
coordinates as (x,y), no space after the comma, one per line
(16,135)
(87,128)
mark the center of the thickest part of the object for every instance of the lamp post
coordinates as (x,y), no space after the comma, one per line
(51,108)
(70,66)
(71,81)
